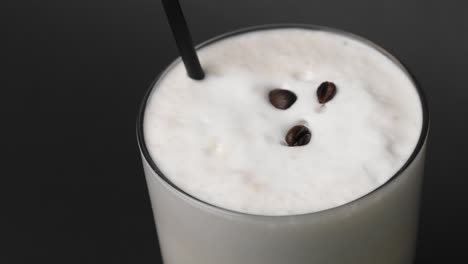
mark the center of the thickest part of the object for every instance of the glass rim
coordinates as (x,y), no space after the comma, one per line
(421,141)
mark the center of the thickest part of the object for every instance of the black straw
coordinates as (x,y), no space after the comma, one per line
(183,39)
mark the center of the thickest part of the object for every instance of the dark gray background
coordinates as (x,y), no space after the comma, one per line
(72,186)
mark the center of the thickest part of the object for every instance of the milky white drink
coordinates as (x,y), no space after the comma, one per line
(221,140)
(226,141)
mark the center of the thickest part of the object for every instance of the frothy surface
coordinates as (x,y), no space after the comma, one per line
(221,140)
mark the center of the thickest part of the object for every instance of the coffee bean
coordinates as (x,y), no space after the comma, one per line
(282,99)
(298,136)
(325,92)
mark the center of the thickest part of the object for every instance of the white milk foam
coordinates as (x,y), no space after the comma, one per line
(221,141)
